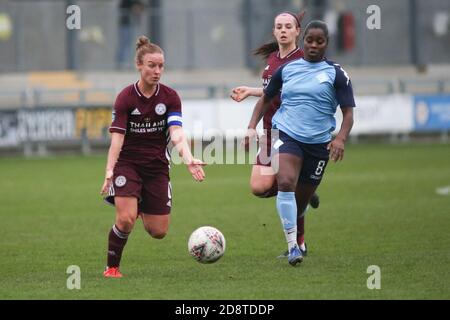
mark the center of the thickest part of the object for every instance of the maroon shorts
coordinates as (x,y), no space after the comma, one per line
(263,157)
(153,191)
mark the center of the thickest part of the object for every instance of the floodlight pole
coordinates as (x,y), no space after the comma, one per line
(413,32)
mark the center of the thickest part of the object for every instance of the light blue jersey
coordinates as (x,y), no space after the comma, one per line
(310,94)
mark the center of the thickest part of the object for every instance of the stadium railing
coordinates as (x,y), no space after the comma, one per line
(46,97)
(424,85)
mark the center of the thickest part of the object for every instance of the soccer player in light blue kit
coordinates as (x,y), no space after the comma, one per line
(311,89)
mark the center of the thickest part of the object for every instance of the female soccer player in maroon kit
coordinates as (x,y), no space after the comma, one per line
(147,116)
(286,30)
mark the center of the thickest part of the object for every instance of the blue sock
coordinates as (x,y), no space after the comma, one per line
(287,210)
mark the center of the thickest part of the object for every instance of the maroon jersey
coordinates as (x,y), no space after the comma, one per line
(145,123)
(273,63)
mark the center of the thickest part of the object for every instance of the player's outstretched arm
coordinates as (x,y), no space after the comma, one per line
(259,110)
(113,155)
(272,90)
(336,146)
(241,93)
(194,166)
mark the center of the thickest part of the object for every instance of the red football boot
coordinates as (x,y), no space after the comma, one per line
(112,272)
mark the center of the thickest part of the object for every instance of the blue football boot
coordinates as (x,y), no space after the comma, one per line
(295,256)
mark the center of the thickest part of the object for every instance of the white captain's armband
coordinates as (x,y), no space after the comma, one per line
(174,119)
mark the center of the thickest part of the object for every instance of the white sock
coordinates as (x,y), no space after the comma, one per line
(291,237)
(302,246)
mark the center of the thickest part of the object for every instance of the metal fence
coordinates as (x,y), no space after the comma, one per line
(36,97)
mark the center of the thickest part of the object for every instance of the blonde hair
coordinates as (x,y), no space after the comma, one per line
(144,46)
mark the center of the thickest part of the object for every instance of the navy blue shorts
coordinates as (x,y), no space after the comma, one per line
(315,156)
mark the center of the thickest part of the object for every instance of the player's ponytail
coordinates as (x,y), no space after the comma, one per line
(266,49)
(144,46)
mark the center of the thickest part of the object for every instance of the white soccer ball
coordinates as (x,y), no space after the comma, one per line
(206,244)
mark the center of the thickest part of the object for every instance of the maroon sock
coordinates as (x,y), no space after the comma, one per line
(116,241)
(300,230)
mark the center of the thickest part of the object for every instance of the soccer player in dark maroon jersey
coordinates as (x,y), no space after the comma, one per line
(147,116)
(286,30)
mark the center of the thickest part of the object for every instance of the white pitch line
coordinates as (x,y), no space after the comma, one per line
(443,191)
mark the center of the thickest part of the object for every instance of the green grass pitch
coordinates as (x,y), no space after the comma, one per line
(378,207)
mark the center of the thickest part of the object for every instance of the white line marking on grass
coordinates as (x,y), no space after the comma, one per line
(443,191)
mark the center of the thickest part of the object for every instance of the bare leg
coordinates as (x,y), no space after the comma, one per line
(262,182)
(303,194)
(156,225)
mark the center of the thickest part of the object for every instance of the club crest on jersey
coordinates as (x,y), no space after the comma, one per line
(322,77)
(120,181)
(160,109)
